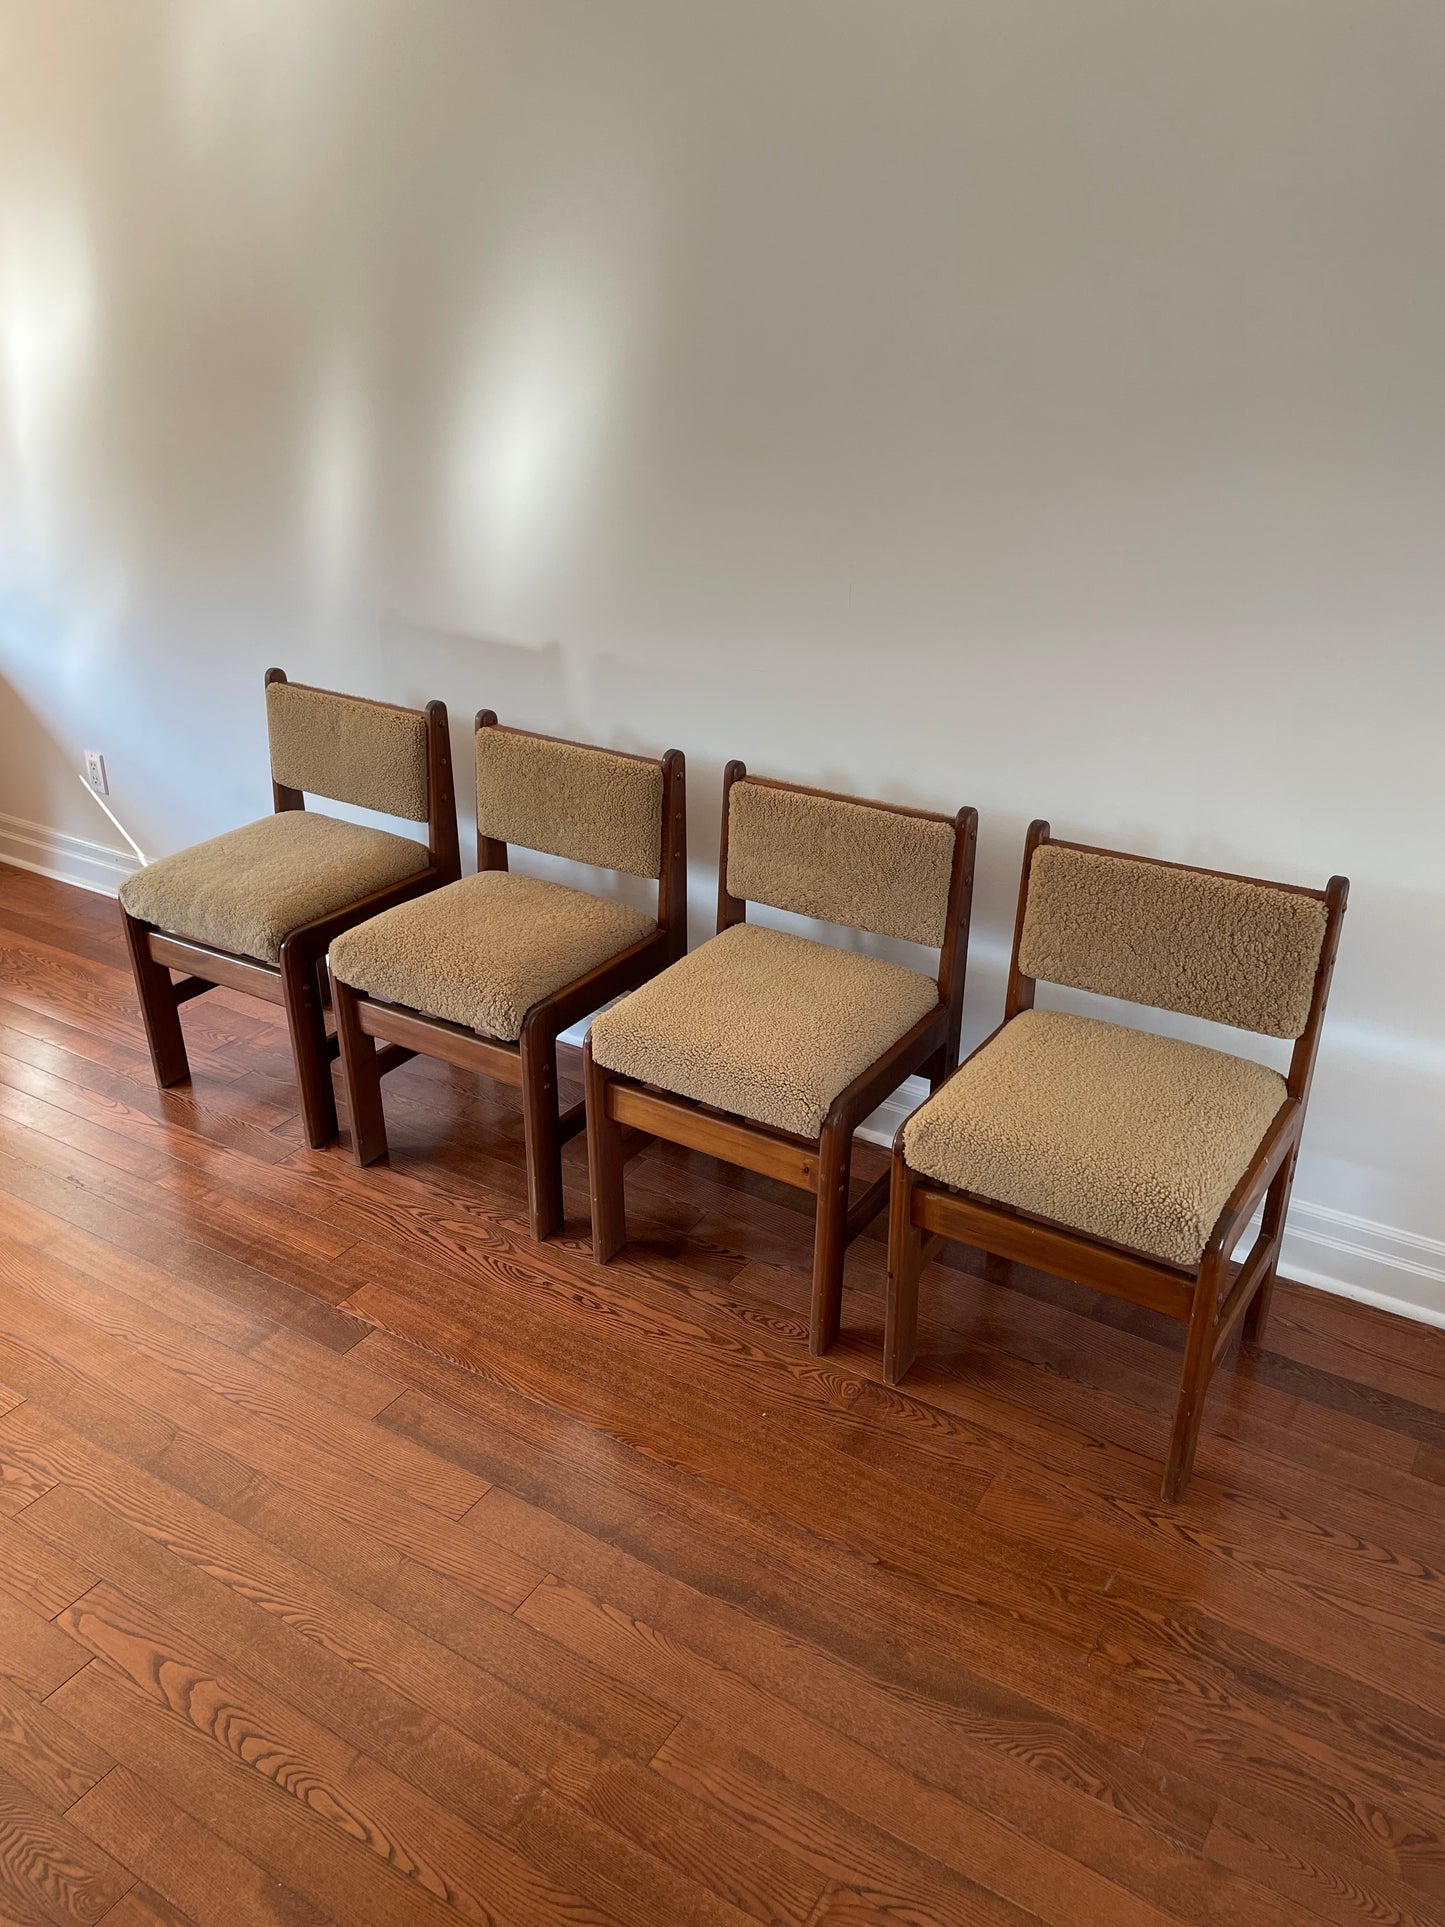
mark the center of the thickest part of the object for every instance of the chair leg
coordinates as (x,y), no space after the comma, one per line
(362,1075)
(1194,1384)
(1276,1204)
(301,990)
(830,1234)
(158,1008)
(542,1144)
(905,1267)
(605,1163)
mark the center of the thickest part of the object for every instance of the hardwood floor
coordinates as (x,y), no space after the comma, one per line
(637,1614)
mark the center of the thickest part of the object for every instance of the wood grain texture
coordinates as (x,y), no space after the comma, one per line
(363,1562)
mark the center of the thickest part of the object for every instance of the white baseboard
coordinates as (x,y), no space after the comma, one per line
(69,859)
(1378,1264)
(1395,1270)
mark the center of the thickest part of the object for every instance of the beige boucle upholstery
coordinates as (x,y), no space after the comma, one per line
(1111,1131)
(763,1024)
(845,862)
(372,755)
(1233,951)
(248,889)
(482,951)
(589,805)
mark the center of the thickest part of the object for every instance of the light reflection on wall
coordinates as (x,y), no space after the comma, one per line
(51,639)
(336,477)
(47,331)
(536,391)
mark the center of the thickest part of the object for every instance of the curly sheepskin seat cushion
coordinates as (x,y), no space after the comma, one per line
(1114,1132)
(248,890)
(481,952)
(763,1024)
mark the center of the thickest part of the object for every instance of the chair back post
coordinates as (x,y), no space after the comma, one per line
(282,796)
(491,850)
(672,877)
(1302,1058)
(1020,993)
(953,957)
(441,800)
(730,909)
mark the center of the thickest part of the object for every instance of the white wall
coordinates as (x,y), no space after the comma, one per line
(1018,402)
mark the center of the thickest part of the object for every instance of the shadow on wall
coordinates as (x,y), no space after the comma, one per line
(45,821)
(526,686)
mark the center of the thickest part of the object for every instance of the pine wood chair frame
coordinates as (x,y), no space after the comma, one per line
(530,1064)
(624,1115)
(298,982)
(1214,1299)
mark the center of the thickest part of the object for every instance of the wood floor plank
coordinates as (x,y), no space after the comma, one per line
(850,1852)
(39,1750)
(326,1863)
(296,1290)
(188,1873)
(48,1870)
(355,1665)
(1334,1619)
(19,1485)
(981,1790)
(141,1907)
(896,1518)
(125,1107)
(405,1831)
(160,1344)
(1364,1352)
(1342,1436)
(338,1377)
(1321,1881)
(34,1652)
(359,1567)
(33,1573)
(569,1470)
(1309,1787)
(949,1712)
(273,1243)
(1188,1653)
(628,1718)
(474,1746)
(102,1262)
(433,1537)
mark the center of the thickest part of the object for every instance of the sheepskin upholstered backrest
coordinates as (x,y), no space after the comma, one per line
(846,862)
(1224,948)
(348,749)
(589,805)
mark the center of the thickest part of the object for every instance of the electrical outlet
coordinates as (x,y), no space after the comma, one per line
(95,772)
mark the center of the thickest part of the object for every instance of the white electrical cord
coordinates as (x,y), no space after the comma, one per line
(96,797)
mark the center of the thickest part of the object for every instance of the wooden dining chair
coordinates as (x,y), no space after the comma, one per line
(769,1049)
(1114,1157)
(255,908)
(487,973)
